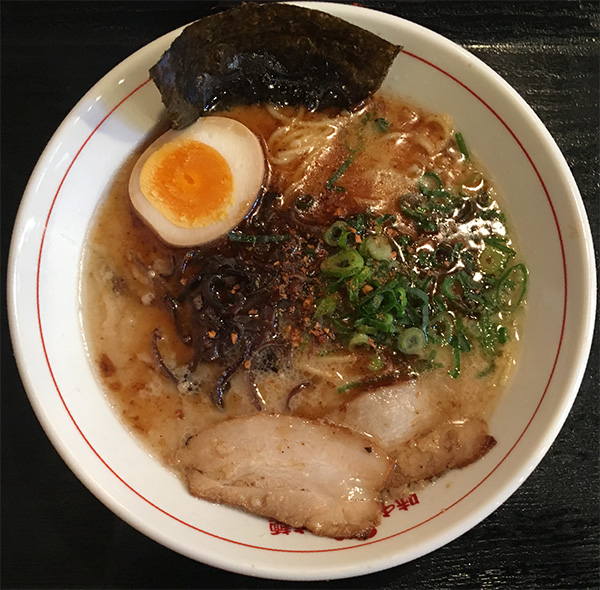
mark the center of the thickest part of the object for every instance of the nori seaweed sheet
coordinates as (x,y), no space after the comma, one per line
(276,53)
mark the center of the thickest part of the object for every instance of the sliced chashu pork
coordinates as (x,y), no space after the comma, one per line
(391,414)
(301,472)
(448,445)
(406,421)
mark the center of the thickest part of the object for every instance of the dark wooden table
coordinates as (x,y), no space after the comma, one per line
(55,534)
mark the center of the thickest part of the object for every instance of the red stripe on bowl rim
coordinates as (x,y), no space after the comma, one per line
(362,543)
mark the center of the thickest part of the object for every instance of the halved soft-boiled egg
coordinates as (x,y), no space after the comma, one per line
(195,184)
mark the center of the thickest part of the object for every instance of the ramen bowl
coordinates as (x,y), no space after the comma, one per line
(545,211)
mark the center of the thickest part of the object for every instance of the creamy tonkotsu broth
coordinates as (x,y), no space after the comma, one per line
(387,188)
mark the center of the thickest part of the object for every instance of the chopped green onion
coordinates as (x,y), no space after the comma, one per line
(359,339)
(488,214)
(393,298)
(511,287)
(401,300)
(440,328)
(372,381)
(412,341)
(333,233)
(441,201)
(460,338)
(425,259)
(304,202)
(365,328)
(487,334)
(342,264)
(456,250)
(382,124)
(422,295)
(499,244)
(462,146)
(420,215)
(358,222)
(459,344)
(429,182)
(383,219)
(472,299)
(235,236)
(448,287)
(377,247)
(492,261)
(350,385)
(376,364)
(382,323)
(326,306)
(439,303)
(340,327)
(343,239)
(490,368)
(431,364)
(331,183)
(503,336)
(399,306)
(463,291)
(366,118)
(356,283)
(455,372)
(370,304)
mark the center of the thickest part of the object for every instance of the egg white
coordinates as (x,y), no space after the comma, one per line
(245,157)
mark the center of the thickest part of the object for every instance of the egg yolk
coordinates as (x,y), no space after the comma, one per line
(188,182)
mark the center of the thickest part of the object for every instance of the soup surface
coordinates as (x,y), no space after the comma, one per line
(374,285)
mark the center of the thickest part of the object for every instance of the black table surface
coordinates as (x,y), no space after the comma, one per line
(56,534)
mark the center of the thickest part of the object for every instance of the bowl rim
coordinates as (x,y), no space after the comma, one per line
(21,354)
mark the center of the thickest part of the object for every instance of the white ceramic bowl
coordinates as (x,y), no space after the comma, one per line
(545,209)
